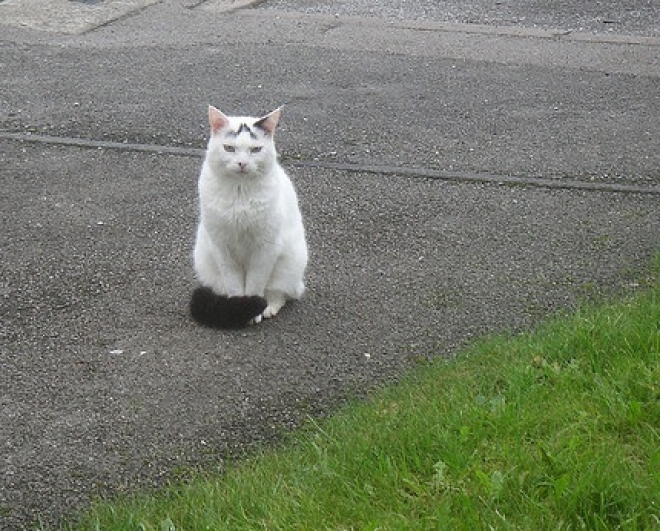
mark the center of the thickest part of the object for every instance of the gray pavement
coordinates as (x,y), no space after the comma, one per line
(429,154)
(639,17)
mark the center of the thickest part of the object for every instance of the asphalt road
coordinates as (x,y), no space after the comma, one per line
(455,180)
(639,17)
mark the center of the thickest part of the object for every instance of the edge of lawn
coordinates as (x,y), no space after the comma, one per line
(554,428)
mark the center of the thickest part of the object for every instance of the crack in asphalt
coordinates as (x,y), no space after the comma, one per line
(424,173)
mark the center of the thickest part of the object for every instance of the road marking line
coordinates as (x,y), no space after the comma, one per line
(419,173)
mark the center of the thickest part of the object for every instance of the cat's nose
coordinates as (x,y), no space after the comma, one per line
(242,166)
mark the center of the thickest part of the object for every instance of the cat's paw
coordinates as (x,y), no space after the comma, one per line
(270,311)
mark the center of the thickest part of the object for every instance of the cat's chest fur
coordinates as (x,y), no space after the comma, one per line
(238,215)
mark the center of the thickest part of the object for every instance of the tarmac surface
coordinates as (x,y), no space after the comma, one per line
(463,168)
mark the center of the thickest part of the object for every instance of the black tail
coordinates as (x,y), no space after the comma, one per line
(216,311)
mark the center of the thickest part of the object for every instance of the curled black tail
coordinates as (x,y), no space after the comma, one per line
(216,311)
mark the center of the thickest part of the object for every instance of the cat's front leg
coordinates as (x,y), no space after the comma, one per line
(228,279)
(232,278)
(214,268)
(259,268)
(256,279)
(276,300)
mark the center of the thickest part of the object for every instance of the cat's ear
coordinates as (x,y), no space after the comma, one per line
(217,120)
(269,122)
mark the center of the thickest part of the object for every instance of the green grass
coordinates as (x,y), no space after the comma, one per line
(555,429)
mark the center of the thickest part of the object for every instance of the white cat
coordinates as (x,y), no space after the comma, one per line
(250,254)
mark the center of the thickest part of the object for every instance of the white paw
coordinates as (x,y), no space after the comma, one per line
(270,311)
(256,320)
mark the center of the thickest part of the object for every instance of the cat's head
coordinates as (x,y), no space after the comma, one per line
(242,146)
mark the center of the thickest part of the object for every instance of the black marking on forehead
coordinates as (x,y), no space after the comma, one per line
(242,128)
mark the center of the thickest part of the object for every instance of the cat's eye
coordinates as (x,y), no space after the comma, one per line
(228,148)
(255,149)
